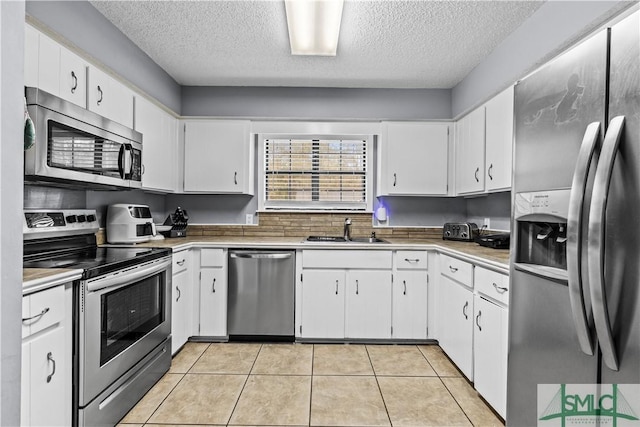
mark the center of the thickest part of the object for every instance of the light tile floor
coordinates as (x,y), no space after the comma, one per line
(311,385)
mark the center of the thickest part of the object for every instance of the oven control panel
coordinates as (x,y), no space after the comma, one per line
(41,223)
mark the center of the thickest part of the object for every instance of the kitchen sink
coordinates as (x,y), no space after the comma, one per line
(340,239)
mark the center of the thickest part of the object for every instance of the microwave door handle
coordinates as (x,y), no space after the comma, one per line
(128,161)
(595,249)
(121,162)
(581,314)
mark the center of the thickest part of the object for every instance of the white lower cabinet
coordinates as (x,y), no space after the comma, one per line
(46,358)
(456,337)
(368,304)
(345,294)
(323,304)
(213,293)
(410,305)
(490,352)
(181,300)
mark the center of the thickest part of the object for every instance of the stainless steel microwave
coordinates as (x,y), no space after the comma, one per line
(78,148)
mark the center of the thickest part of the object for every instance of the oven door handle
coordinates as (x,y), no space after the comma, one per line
(128,277)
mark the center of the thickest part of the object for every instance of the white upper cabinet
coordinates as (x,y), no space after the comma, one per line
(218,157)
(499,141)
(470,152)
(109,98)
(160,141)
(54,68)
(414,158)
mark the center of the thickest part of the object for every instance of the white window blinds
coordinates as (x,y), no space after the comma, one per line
(315,173)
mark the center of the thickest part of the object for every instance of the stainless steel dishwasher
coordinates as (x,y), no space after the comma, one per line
(261,294)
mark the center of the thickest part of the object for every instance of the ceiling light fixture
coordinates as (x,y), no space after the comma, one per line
(314,26)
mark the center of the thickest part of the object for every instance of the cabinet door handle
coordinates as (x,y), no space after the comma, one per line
(235,178)
(412,260)
(178,297)
(50,358)
(478,320)
(453,269)
(395,179)
(404,283)
(181,263)
(336,287)
(75,82)
(476,174)
(37,316)
(500,289)
(464,309)
(357,287)
(101,95)
(213,286)
(489,171)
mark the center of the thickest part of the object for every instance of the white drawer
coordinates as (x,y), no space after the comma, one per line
(212,257)
(411,260)
(458,270)
(347,259)
(181,261)
(492,284)
(42,310)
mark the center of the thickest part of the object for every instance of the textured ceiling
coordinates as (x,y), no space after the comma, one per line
(384,44)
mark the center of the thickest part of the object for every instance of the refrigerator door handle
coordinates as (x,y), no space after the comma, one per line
(581,313)
(595,249)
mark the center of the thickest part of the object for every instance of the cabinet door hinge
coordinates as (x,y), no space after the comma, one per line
(198,329)
(300,329)
(427,278)
(301,277)
(391,278)
(392,331)
(200,276)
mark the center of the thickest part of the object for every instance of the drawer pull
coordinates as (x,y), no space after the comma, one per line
(464,309)
(50,358)
(412,260)
(453,269)
(357,287)
(336,287)
(37,316)
(404,283)
(478,320)
(181,263)
(500,289)
(213,286)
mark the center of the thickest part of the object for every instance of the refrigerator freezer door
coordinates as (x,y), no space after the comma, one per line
(543,345)
(553,107)
(622,245)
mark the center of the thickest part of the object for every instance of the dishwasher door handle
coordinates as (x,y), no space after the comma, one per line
(260,255)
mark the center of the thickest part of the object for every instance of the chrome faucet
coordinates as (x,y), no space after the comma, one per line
(347,229)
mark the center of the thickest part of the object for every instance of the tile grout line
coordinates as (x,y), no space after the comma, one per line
(429,363)
(375,375)
(313,355)
(244,385)
(184,374)
(456,400)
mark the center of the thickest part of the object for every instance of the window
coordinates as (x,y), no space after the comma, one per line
(315,173)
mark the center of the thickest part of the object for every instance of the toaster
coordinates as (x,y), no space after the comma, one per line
(129,223)
(462,231)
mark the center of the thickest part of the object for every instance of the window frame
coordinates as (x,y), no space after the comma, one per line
(316,206)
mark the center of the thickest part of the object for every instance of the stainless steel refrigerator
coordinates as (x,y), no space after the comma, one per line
(574,313)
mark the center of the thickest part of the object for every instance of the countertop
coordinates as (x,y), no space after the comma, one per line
(38,279)
(495,258)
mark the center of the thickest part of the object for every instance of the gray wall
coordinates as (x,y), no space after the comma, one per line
(85,27)
(11,143)
(496,207)
(551,29)
(317,103)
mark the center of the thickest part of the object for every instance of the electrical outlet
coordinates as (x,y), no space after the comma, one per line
(487,223)
(249,219)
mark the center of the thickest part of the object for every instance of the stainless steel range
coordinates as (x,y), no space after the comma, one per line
(122,315)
